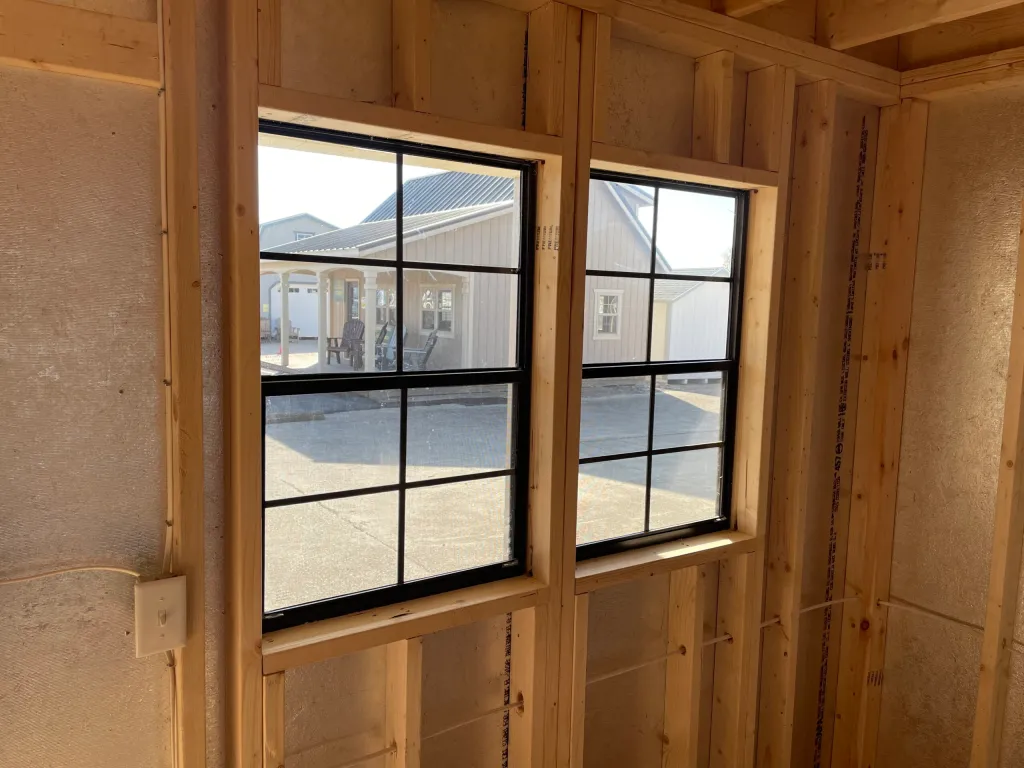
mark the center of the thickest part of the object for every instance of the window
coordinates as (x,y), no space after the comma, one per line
(438,310)
(387,304)
(660,361)
(302,235)
(606,324)
(396,455)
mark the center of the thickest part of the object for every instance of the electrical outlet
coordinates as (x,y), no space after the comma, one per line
(159,615)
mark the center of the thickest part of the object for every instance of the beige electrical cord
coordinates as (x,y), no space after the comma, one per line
(62,571)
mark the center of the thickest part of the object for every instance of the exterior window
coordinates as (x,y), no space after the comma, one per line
(395,444)
(660,361)
(606,324)
(438,310)
(387,301)
(293,290)
(302,235)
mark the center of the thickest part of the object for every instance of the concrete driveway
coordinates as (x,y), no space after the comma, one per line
(323,443)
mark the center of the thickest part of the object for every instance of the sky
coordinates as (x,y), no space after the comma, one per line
(694,230)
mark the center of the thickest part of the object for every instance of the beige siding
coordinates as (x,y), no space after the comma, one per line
(613,241)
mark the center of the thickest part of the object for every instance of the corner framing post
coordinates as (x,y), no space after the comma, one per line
(1007,540)
(883,376)
(183,364)
(242,418)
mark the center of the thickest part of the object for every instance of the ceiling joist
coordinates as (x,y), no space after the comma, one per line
(844,24)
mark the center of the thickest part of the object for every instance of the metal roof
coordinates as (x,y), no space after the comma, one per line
(445,192)
(379,234)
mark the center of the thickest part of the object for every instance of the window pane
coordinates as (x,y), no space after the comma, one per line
(330,194)
(688,409)
(691,320)
(695,233)
(457,526)
(619,227)
(459,213)
(614,416)
(329,548)
(610,499)
(685,487)
(475,326)
(334,442)
(458,430)
(333,297)
(620,337)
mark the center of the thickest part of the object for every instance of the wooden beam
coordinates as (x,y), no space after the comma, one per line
(763,118)
(740,8)
(798,421)
(979,35)
(390,122)
(847,23)
(715,88)
(678,26)
(526,725)
(58,38)
(273,721)
(613,158)
(978,73)
(735,684)
(885,345)
(403,723)
(602,77)
(545,77)
(559,265)
(309,643)
(602,572)
(243,465)
(683,668)
(1007,542)
(183,365)
(268,24)
(410,67)
(581,624)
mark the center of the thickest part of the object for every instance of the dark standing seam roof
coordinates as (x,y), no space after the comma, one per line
(378,234)
(445,192)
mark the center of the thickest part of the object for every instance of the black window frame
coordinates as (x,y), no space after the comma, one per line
(518,376)
(729,367)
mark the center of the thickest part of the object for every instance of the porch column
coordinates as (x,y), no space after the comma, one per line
(286,320)
(323,296)
(370,319)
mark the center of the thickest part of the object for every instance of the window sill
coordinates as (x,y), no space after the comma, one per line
(309,643)
(661,558)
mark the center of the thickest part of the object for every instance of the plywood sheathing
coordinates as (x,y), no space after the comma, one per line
(341,48)
(625,714)
(649,102)
(335,710)
(80,351)
(477,63)
(952,424)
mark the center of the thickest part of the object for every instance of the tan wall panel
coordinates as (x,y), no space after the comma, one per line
(335,711)
(477,58)
(339,48)
(650,98)
(959,343)
(625,717)
(464,675)
(82,448)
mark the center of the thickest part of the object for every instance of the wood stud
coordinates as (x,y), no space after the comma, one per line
(886,340)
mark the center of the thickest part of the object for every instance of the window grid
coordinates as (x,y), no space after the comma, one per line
(727,367)
(517,375)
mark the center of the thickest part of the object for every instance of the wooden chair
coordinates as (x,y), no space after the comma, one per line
(416,359)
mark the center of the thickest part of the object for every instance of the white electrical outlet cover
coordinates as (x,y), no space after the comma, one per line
(159,615)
